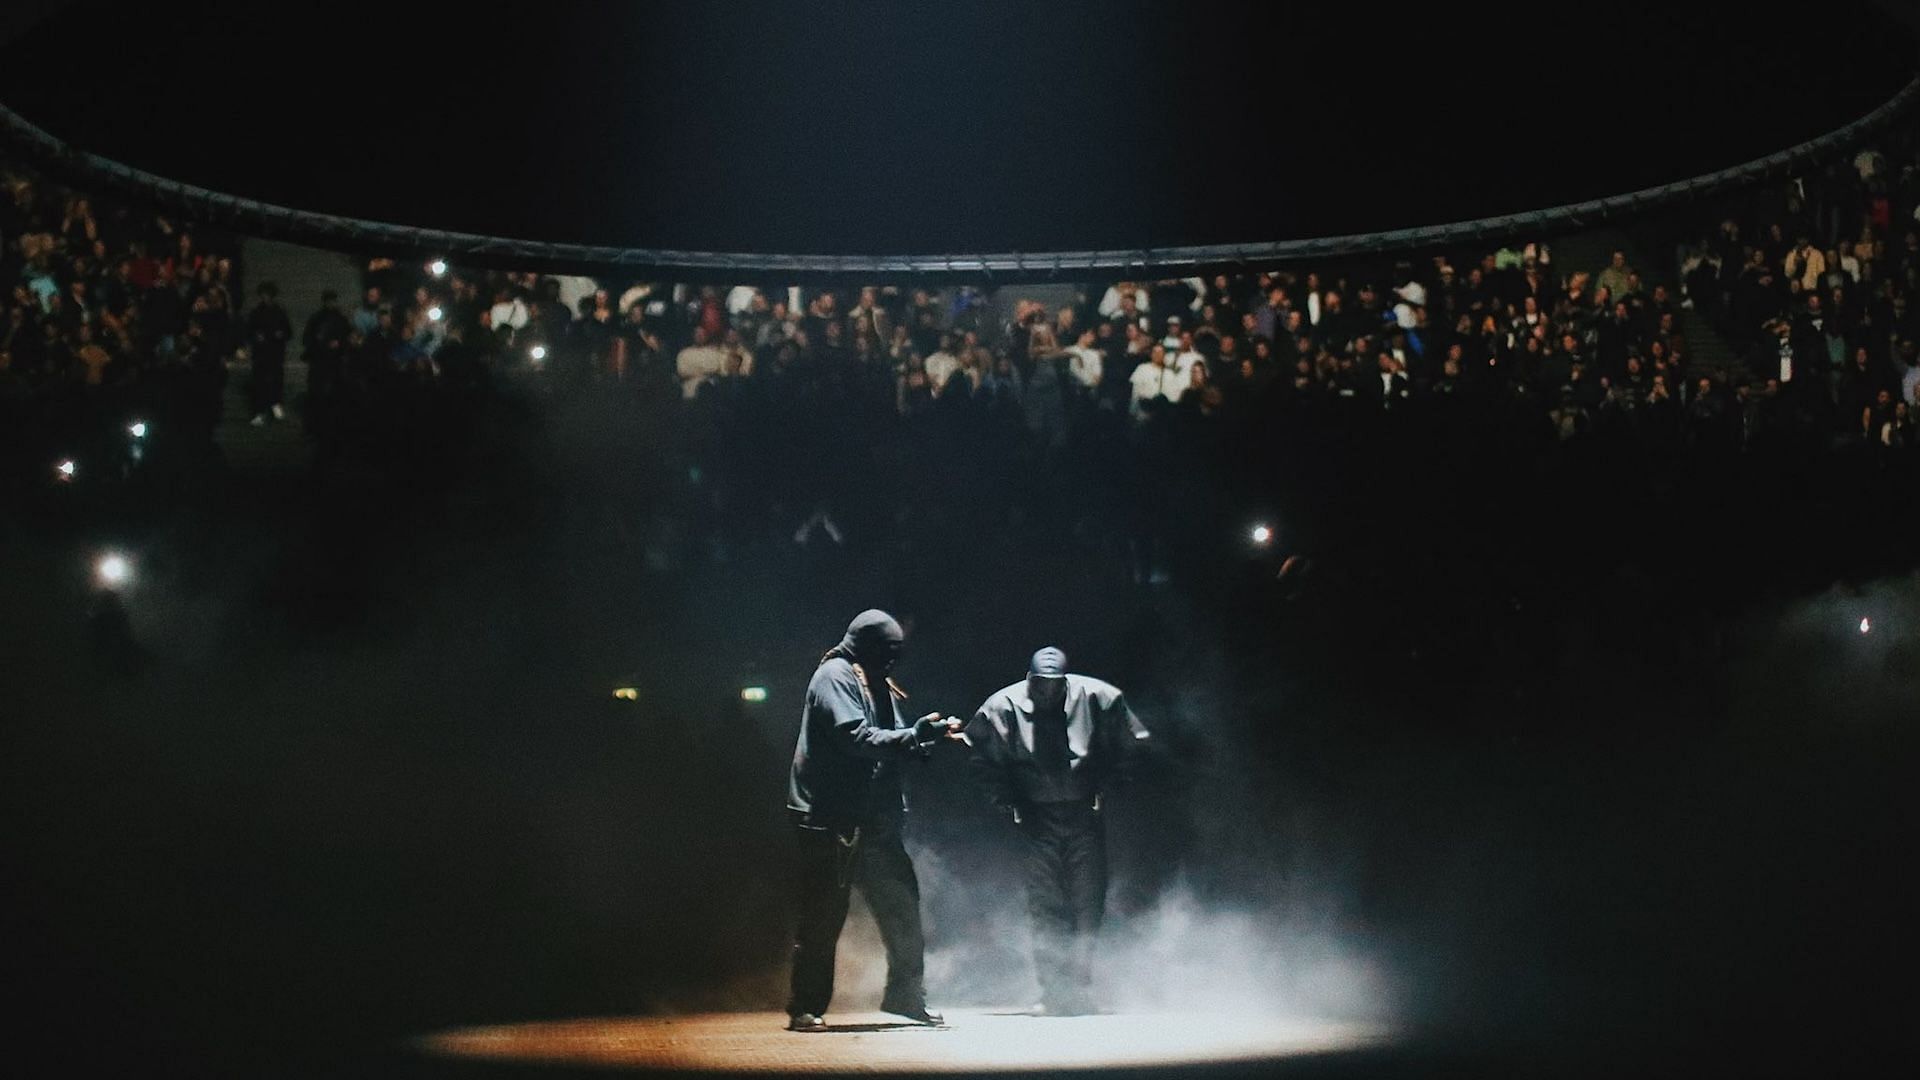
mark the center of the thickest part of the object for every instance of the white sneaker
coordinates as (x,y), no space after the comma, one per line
(278,412)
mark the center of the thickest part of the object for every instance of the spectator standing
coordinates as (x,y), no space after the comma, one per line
(1155,385)
(366,319)
(1614,277)
(699,362)
(943,363)
(507,317)
(324,340)
(91,358)
(268,331)
(1805,265)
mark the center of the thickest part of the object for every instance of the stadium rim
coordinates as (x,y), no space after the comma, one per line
(266,220)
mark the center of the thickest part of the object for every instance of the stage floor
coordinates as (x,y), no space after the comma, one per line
(974,1041)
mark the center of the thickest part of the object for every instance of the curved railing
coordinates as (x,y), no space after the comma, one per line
(264,219)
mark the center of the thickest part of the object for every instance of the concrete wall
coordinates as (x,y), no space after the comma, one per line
(302,273)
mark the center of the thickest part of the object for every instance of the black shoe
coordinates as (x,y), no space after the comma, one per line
(916,1013)
(805,1022)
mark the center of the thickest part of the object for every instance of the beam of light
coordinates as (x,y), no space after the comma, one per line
(113,570)
(538,352)
(434,314)
(1262,534)
(137,429)
(753,693)
(627,693)
(65,469)
(1866,626)
(438,267)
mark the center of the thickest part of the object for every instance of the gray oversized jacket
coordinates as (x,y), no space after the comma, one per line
(1101,735)
(846,768)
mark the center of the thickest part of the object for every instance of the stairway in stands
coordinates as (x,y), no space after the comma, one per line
(1708,352)
(1712,354)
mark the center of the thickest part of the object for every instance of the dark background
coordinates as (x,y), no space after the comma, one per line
(926,128)
(1565,761)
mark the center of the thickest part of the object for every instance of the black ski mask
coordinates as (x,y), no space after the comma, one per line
(873,641)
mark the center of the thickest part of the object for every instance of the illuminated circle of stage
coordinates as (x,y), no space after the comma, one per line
(983,1040)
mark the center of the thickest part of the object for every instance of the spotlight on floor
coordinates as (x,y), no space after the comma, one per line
(113,570)
(753,693)
(538,352)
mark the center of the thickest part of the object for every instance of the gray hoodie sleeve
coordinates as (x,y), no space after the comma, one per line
(989,762)
(841,708)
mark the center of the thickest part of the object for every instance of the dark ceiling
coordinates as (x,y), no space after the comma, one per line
(886,128)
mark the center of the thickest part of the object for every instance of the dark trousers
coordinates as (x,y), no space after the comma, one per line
(1066,896)
(269,379)
(830,863)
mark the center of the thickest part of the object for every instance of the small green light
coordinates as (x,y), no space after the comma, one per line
(753,693)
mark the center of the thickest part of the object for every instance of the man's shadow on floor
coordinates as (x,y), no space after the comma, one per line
(884,1025)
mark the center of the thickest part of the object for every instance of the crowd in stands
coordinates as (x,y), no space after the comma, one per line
(102,307)
(1816,292)
(815,399)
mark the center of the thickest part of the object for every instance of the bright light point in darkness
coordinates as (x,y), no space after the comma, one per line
(627,693)
(1866,625)
(439,267)
(65,469)
(137,429)
(434,314)
(753,693)
(539,352)
(1262,534)
(114,570)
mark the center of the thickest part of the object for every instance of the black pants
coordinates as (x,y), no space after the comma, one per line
(878,863)
(269,379)
(1066,897)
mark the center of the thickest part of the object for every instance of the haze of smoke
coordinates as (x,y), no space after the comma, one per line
(1247,919)
(1848,652)
(1181,954)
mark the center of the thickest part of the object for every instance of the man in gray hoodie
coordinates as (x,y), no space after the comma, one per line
(846,800)
(1044,749)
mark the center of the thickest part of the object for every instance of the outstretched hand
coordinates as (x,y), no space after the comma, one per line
(933,726)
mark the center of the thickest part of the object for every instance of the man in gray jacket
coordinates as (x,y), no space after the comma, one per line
(1044,749)
(845,797)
